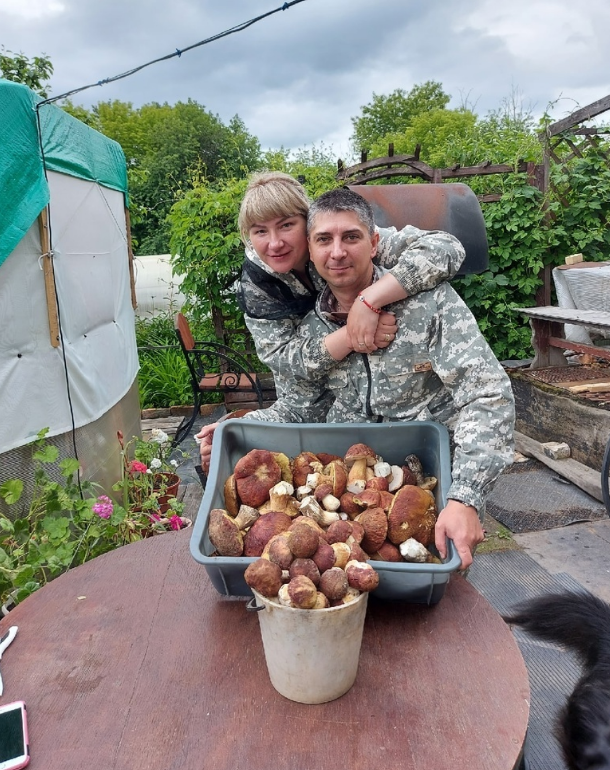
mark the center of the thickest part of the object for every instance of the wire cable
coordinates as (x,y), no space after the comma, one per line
(178,52)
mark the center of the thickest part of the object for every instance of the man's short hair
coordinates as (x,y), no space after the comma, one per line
(269,195)
(342,199)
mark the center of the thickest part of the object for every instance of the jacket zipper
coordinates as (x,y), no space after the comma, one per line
(367,405)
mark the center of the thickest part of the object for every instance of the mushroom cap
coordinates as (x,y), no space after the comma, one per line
(301,468)
(324,557)
(412,514)
(361,575)
(375,525)
(303,592)
(337,472)
(339,531)
(380,483)
(360,452)
(277,550)
(263,529)
(368,498)
(264,576)
(306,567)
(303,541)
(333,583)
(387,552)
(349,506)
(224,533)
(255,474)
(231,497)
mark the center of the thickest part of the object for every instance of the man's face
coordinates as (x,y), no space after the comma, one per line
(341,248)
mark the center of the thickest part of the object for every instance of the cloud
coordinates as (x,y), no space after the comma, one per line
(298,76)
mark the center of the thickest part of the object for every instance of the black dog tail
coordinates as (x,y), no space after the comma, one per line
(579,621)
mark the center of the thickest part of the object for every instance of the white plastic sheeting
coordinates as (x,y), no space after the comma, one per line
(157,290)
(96,317)
(583,288)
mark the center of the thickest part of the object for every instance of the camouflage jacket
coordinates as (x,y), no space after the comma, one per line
(439,368)
(274,304)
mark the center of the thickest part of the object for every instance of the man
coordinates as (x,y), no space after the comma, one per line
(438,367)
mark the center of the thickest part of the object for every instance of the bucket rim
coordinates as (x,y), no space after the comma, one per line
(267,601)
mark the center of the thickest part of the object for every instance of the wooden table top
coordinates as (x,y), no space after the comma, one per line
(133,661)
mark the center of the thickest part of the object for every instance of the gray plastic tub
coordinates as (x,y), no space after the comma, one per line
(418,583)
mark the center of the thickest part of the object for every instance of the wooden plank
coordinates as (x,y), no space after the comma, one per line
(568,315)
(591,387)
(583,477)
(546,413)
(49,277)
(132,277)
(579,116)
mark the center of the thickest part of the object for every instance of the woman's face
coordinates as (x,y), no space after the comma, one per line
(281,243)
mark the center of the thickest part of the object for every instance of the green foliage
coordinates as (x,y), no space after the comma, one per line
(164,145)
(394,113)
(34,72)
(206,242)
(164,378)
(517,251)
(59,528)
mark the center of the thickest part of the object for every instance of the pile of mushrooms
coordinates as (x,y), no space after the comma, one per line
(319,512)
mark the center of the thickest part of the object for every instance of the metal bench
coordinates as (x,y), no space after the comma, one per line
(217,368)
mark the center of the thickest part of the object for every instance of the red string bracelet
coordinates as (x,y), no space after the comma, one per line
(370,307)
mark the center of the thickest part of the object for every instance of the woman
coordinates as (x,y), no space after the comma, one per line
(279,285)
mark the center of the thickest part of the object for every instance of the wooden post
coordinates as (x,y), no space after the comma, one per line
(132,278)
(49,276)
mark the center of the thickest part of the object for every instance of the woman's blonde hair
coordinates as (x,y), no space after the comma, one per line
(269,195)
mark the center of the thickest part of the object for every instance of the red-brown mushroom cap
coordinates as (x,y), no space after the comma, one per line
(360,452)
(301,468)
(412,514)
(337,472)
(263,529)
(375,526)
(224,533)
(255,474)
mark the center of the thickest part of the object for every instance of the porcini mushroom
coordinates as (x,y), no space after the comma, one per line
(224,533)
(255,474)
(357,458)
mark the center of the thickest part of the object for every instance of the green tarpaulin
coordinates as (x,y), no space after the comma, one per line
(68,146)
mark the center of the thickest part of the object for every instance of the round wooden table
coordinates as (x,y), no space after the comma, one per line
(133,661)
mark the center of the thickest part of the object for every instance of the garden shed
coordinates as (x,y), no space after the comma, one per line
(68,356)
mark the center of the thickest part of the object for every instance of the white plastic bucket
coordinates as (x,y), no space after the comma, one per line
(312,655)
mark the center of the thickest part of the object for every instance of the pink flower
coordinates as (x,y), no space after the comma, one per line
(135,466)
(103,507)
(155,516)
(175,522)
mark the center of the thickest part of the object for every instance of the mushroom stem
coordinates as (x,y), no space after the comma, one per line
(356,478)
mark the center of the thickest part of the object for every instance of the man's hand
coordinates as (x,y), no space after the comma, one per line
(386,330)
(461,524)
(204,438)
(367,331)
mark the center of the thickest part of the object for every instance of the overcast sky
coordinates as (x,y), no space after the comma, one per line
(297,77)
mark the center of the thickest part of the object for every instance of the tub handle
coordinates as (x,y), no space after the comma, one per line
(252,606)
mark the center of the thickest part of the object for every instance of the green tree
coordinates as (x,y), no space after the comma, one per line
(395,112)
(164,145)
(34,72)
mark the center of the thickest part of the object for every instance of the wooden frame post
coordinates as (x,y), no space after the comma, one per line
(132,277)
(49,277)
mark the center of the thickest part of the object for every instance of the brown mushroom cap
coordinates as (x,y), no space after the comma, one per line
(360,452)
(333,584)
(306,567)
(361,575)
(278,551)
(368,498)
(379,483)
(224,533)
(263,529)
(349,506)
(412,514)
(231,498)
(337,473)
(255,474)
(303,592)
(324,557)
(264,576)
(339,531)
(375,526)
(301,468)
(303,541)
(387,552)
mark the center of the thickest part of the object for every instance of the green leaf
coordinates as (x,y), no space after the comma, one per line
(11,490)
